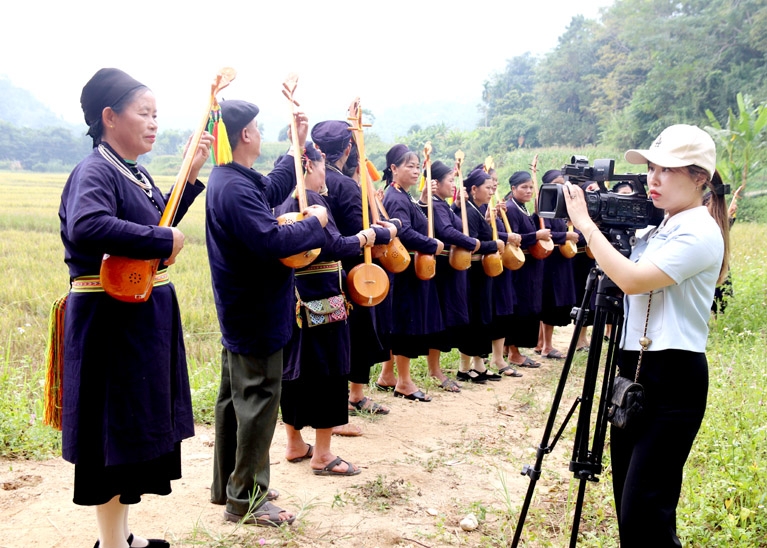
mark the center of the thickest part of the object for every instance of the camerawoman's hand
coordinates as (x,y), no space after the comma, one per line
(577,210)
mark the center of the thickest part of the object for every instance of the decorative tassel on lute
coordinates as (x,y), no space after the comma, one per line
(222,149)
(54,365)
(373,173)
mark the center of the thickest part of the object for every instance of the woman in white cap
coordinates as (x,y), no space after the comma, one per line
(669,284)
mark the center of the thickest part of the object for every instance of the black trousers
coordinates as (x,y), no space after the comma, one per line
(246,416)
(648,460)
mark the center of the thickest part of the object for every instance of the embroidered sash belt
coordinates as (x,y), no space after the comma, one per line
(92,284)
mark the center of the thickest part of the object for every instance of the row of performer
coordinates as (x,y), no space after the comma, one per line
(310,291)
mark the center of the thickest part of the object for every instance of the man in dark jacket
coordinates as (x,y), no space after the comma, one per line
(253,292)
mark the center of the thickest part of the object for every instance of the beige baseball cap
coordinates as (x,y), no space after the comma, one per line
(679,145)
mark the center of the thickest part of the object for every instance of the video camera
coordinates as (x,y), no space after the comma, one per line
(606,208)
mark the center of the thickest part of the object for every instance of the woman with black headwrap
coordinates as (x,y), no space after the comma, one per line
(452,284)
(415,304)
(475,340)
(528,280)
(559,292)
(126,403)
(317,357)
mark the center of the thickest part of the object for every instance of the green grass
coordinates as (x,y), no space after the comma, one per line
(725,488)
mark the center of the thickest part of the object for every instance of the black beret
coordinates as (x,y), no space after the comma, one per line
(105,89)
(332,136)
(439,170)
(476,178)
(519,177)
(550,175)
(236,115)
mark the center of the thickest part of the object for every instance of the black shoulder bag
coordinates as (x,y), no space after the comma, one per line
(627,399)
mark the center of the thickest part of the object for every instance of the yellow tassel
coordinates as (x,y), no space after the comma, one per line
(299,319)
(421,183)
(54,365)
(223,146)
(222,149)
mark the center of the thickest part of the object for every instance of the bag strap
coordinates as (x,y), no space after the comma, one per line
(644,342)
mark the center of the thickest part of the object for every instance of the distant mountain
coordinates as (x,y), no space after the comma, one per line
(391,122)
(20,108)
(395,122)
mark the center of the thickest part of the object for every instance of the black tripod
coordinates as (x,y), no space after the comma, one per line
(586,463)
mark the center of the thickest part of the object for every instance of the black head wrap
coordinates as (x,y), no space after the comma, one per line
(519,177)
(354,157)
(236,115)
(620,184)
(439,170)
(332,136)
(312,152)
(105,89)
(352,162)
(550,175)
(394,157)
(477,177)
(482,167)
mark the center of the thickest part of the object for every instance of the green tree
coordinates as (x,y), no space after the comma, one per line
(170,142)
(444,141)
(565,82)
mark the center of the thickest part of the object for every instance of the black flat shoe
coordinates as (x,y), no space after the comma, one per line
(471,376)
(153,543)
(489,375)
(418,395)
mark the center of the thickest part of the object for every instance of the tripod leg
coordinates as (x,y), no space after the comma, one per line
(534,472)
(587,462)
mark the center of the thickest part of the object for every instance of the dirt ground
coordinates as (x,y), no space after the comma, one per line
(425,466)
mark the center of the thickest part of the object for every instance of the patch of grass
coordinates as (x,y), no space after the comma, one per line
(382,494)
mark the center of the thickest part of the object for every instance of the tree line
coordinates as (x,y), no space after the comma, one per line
(621,80)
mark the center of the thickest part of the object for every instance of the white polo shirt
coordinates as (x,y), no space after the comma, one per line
(689,248)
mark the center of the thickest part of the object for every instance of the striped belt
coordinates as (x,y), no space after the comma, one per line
(445,253)
(92,284)
(476,257)
(319,268)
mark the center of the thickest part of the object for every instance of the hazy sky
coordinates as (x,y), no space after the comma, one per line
(388,53)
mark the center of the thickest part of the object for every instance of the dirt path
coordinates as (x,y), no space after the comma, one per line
(425,466)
